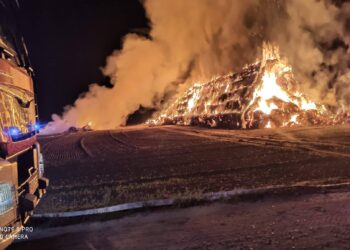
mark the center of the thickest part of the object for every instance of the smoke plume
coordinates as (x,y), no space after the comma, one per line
(193,41)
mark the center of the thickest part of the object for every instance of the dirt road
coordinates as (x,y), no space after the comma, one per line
(313,221)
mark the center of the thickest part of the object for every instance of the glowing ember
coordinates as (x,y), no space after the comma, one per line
(264,94)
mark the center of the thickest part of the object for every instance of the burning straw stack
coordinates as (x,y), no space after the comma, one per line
(264,94)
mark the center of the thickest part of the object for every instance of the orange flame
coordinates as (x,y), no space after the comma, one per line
(271,98)
(268,89)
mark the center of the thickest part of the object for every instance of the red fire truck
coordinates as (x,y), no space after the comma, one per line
(22,184)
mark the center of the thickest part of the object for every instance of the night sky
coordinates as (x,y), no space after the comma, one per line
(68,42)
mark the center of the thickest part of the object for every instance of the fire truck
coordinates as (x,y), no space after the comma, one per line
(22,183)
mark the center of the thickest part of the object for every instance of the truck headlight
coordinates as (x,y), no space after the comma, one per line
(6,198)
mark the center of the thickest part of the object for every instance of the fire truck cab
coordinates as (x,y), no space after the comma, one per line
(22,183)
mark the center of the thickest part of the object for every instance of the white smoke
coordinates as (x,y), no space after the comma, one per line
(195,40)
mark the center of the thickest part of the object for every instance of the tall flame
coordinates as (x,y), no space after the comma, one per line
(269,91)
(264,94)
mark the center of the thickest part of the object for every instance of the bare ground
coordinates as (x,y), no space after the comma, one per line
(102,168)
